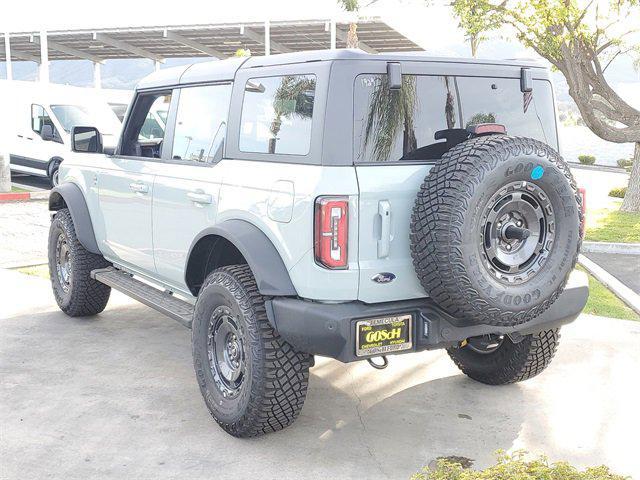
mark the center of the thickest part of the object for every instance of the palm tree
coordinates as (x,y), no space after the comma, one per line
(293,98)
(352,35)
(388,111)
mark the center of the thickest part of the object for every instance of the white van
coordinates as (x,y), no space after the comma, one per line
(43,115)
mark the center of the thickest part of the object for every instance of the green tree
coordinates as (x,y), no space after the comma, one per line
(581,40)
(476,19)
(352,6)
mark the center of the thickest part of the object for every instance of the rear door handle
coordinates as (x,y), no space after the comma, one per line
(139,187)
(384,244)
(200,197)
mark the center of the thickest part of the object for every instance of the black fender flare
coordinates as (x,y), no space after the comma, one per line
(261,255)
(70,195)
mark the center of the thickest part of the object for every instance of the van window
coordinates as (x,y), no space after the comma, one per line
(144,132)
(393,125)
(201,123)
(277,114)
(40,117)
(403,125)
(499,100)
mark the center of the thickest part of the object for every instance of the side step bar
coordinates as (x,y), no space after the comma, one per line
(163,302)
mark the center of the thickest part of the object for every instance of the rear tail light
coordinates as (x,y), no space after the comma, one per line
(583,207)
(331,231)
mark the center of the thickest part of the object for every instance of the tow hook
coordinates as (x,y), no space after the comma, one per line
(379,366)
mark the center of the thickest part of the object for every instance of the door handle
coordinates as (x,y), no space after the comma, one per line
(384,244)
(139,187)
(200,197)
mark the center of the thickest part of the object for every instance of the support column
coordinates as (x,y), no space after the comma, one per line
(7,54)
(97,77)
(267,38)
(332,26)
(157,65)
(44,57)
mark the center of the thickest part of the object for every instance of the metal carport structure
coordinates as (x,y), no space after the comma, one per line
(207,40)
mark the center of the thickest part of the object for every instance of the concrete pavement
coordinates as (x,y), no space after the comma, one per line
(115,396)
(24,230)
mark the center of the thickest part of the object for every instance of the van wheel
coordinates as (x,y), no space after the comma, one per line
(496,360)
(70,265)
(54,174)
(252,381)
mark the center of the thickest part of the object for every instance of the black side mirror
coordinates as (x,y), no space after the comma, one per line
(46,133)
(86,140)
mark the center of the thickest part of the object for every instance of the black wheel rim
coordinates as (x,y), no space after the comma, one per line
(485,344)
(63,263)
(517,232)
(226,351)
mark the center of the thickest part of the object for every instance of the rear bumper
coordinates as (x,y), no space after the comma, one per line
(329,329)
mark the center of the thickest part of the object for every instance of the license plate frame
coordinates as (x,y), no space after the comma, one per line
(384,343)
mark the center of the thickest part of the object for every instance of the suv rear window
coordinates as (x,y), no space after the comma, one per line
(401,125)
(277,114)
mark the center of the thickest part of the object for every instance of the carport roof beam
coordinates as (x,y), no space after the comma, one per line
(127,47)
(72,52)
(24,56)
(176,37)
(256,37)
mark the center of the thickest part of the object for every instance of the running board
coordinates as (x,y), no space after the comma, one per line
(163,302)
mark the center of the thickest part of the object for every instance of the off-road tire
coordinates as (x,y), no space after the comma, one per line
(446,245)
(511,362)
(275,384)
(84,295)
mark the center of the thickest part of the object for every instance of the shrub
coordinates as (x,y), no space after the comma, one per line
(515,467)
(587,159)
(625,162)
(618,192)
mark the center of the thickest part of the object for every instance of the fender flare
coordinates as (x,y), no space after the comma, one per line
(69,194)
(270,272)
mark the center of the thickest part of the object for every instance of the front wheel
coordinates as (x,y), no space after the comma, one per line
(70,266)
(496,360)
(252,381)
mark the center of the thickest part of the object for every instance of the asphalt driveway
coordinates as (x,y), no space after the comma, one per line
(114,396)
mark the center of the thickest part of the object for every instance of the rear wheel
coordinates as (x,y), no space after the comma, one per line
(70,266)
(497,360)
(252,381)
(54,174)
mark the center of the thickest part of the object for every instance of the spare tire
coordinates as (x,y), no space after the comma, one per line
(495,229)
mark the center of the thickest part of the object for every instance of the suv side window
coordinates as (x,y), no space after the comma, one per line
(201,123)
(144,132)
(277,114)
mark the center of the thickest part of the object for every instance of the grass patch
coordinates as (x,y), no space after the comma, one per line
(17,189)
(605,303)
(41,271)
(613,226)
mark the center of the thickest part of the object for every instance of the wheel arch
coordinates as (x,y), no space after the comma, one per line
(52,161)
(238,241)
(70,196)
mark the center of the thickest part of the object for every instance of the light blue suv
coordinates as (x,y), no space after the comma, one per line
(328,203)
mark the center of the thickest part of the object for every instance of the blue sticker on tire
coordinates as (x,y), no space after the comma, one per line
(536,173)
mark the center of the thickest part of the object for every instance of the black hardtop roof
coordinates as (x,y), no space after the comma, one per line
(220,70)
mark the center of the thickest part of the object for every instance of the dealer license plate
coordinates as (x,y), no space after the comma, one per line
(377,336)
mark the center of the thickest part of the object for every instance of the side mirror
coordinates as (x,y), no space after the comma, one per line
(46,133)
(86,140)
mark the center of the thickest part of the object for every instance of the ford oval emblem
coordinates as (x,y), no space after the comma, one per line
(383,277)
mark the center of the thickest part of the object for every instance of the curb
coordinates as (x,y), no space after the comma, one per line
(597,168)
(23,196)
(605,247)
(625,294)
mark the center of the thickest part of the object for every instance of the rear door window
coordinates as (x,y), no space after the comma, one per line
(428,115)
(277,113)
(499,100)
(201,123)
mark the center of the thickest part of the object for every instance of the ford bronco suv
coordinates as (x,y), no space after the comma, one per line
(329,203)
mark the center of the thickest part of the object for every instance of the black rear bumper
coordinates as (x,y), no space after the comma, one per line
(329,329)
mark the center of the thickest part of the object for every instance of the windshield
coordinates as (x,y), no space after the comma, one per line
(99,116)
